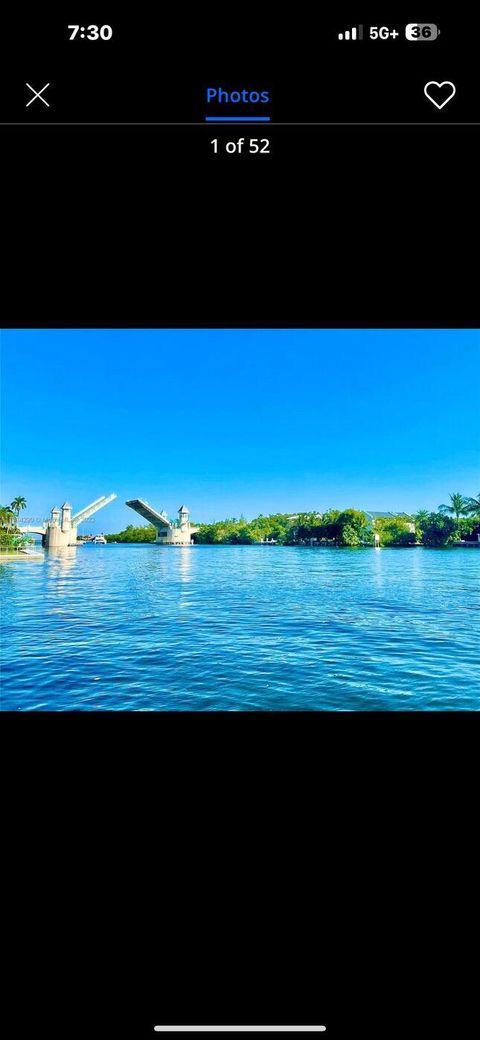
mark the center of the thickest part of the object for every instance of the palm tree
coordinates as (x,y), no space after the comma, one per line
(458,506)
(473,504)
(18,503)
(6,517)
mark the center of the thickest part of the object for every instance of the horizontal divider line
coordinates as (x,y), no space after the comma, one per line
(240,1029)
(202,123)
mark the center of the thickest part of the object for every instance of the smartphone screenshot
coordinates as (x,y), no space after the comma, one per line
(240,520)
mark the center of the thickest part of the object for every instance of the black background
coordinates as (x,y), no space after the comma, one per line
(314,868)
(278,868)
(338,225)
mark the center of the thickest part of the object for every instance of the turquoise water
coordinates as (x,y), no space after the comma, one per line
(242,628)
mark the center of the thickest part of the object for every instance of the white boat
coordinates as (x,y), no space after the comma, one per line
(99,540)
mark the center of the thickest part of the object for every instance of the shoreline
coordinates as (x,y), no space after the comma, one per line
(270,545)
(11,557)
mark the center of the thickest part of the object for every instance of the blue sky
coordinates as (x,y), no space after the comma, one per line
(239,421)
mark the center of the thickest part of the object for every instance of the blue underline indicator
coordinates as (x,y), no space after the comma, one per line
(237,119)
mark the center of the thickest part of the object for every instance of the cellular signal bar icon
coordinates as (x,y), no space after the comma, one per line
(356,33)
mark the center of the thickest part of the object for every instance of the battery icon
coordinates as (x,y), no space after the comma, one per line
(421,31)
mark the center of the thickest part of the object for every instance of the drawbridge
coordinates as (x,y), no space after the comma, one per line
(169,532)
(61,529)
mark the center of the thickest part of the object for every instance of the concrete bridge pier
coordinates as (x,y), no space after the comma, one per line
(60,533)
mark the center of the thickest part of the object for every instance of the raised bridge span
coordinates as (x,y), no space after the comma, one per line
(61,529)
(169,532)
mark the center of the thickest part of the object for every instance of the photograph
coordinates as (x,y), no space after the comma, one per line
(240,520)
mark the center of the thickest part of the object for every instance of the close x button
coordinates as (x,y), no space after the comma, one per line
(37,95)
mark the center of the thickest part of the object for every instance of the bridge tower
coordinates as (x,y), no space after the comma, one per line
(183,517)
(54,528)
(66,517)
(57,533)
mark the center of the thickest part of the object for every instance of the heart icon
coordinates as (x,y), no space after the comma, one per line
(436,91)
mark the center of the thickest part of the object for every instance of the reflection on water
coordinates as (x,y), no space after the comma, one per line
(242,628)
(185,561)
(61,561)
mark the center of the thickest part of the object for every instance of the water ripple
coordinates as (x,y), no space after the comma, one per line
(242,628)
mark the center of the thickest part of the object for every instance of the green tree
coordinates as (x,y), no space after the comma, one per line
(310,519)
(18,503)
(331,516)
(353,527)
(7,517)
(349,535)
(467,525)
(458,505)
(134,535)
(438,530)
(473,504)
(421,518)
(330,527)
(347,528)
(394,531)
(244,532)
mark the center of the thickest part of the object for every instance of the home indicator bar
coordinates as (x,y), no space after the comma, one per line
(240,1029)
